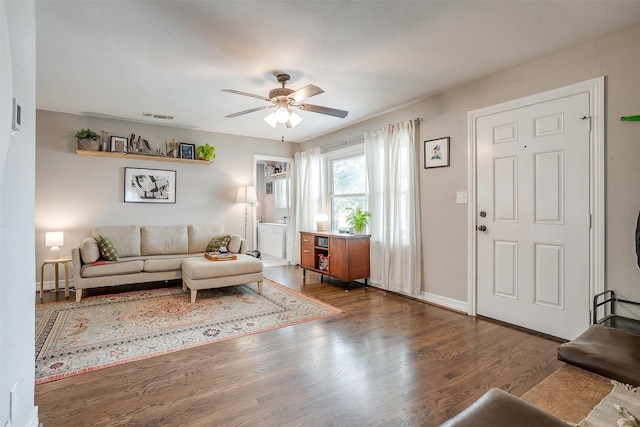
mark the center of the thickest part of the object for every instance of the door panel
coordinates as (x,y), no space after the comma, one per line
(533,183)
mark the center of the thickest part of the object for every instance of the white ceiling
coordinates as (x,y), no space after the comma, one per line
(121,59)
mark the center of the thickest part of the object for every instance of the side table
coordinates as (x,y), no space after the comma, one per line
(56,263)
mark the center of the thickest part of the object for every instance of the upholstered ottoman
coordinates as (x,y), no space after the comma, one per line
(201,273)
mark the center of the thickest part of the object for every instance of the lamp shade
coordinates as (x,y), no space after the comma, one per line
(246,194)
(54,238)
(294,119)
(321,219)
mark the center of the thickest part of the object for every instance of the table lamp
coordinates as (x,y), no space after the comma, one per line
(55,239)
(321,220)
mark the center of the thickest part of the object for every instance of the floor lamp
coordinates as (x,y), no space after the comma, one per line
(246,195)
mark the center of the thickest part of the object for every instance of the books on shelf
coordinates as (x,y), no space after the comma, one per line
(217,256)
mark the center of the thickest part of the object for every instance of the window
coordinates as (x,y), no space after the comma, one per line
(346,185)
(281,193)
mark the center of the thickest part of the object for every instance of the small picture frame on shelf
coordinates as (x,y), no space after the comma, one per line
(436,152)
(119,144)
(187,151)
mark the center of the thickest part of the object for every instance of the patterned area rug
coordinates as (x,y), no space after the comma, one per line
(102,331)
(609,411)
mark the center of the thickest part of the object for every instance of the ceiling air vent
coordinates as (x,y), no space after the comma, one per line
(158,116)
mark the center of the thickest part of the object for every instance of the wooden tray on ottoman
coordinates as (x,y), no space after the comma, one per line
(215,256)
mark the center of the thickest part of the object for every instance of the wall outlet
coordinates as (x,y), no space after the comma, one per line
(461,197)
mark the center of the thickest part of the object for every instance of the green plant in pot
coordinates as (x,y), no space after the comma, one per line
(88,139)
(206,152)
(358,219)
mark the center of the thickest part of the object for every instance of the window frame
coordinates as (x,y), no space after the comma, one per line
(327,164)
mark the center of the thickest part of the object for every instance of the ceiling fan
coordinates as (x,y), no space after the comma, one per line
(283,99)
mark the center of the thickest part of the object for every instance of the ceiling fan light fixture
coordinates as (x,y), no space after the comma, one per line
(282,114)
(294,119)
(271,120)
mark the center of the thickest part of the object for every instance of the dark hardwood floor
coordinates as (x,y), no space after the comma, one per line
(388,360)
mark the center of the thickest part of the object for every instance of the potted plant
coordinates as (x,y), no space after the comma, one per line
(358,219)
(88,140)
(206,152)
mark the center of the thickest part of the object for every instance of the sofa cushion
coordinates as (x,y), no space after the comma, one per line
(108,250)
(200,235)
(164,263)
(89,250)
(235,244)
(164,240)
(112,268)
(125,237)
(217,242)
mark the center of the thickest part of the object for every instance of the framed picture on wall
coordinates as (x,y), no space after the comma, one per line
(436,153)
(268,188)
(149,185)
(187,151)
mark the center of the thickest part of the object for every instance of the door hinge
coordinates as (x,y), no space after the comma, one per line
(587,118)
(590,221)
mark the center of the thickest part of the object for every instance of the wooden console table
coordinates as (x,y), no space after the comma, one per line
(348,255)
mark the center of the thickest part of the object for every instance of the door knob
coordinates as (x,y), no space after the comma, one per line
(482,228)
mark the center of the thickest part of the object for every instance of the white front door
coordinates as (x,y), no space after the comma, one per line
(533,188)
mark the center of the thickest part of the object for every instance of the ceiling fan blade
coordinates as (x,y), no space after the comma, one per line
(237,92)
(306,92)
(323,110)
(264,107)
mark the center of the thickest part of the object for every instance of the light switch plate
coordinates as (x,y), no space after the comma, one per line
(461,197)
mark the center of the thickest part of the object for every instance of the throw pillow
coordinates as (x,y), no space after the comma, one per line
(216,242)
(89,250)
(107,248)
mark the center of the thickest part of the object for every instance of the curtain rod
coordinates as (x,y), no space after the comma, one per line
(356,138)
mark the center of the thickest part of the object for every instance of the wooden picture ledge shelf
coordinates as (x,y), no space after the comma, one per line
(140,157)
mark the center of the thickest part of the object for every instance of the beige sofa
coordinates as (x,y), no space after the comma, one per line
(146,254)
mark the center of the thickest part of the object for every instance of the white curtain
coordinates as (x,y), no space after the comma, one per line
(306,198)
(392,157)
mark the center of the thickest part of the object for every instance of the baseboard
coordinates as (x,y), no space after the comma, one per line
(449,303)
(33,418)
(49,285)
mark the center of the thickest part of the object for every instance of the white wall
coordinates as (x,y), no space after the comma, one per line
(17,154)
(444,223)
(75,193)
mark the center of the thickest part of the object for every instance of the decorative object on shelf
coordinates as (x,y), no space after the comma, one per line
(119,144)
(436,153)
(173,148)
(88,140)
(103,143)
(268,188)
(149,186)
(358,219)
(246,195)
(630,118)
(269,169)
(54,239)
(323,263)
(206,152)
(187,151)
